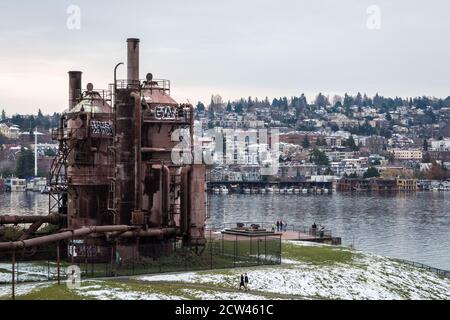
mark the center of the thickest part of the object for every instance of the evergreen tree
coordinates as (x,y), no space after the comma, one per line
(3,118)
(229,107)
(305,142)
(200,107)
(319,158)
(25,164)
(351,144)
(425,145)
(372,172)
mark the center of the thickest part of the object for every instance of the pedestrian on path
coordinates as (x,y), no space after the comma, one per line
(246,281)
(242,283)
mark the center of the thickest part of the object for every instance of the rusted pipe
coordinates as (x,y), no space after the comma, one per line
(137,151)
(52,218)
(166,195)
(62,236)
(152,232)
(133,60)
(74,88)
(185,207)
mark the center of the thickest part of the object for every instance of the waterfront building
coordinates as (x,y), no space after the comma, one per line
(407,184)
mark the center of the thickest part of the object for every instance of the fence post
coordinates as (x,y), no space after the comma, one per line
(251,240)
(265,248)
(258,248)
(13,289)
(211,247)
(112,260)
(235,252)
(85,257)
(58,263)
(280,249)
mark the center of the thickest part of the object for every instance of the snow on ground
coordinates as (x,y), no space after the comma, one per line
(367,277)
(99,292)
(220,295)
(26,272)
(21,288)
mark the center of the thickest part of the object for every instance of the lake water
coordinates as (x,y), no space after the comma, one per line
(409,226)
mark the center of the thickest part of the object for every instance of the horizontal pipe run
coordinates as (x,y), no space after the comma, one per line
(52,218)
(63,236)
(154,232)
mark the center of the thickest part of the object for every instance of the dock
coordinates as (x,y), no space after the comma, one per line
(263,230)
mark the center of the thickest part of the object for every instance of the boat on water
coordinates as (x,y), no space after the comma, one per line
(216,190)
(16,185)
(45,190)
(39,184)
(223,190)
(246,190)
(289,191)
(305,191)
(269,190)
(297,191)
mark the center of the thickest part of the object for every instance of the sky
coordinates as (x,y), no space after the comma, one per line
(233,48)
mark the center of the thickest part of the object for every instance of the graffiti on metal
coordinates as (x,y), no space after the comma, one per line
(101,128)
(166,113)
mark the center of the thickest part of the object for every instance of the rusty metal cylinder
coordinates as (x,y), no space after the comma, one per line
(74,88)
(133,60)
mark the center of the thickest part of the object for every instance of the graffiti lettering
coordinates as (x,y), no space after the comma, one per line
(101,128)
(166,113)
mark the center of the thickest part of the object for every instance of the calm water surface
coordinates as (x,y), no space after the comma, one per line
(408,226)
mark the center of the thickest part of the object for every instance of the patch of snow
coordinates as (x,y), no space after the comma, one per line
(101,293)
(368,277)
(219,295)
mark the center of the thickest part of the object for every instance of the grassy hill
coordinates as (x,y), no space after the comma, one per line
(308,271)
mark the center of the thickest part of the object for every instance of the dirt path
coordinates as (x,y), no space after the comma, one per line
(211,287)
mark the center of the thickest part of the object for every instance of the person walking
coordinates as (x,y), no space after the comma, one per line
(285,226)
(242,283)
(246,281)
(281,225)
(278,226)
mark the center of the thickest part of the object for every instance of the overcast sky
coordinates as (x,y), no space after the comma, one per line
(233,48)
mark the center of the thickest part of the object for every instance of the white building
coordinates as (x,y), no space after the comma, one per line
(10,131)
(408,154)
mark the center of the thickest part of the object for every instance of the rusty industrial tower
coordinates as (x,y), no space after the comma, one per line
(113,178)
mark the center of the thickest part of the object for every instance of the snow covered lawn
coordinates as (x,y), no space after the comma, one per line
(308,271)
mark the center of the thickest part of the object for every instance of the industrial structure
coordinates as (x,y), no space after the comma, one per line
(113,179)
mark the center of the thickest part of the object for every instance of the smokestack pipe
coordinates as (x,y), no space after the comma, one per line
(74,88)
(133,60)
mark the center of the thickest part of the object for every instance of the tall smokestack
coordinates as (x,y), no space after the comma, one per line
(74,88)
(133,59)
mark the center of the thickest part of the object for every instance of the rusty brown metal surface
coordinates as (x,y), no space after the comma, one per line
(53,219)
(74,88)
(115,167)
(73,234)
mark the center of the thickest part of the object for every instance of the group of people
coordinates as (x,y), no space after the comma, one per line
(243,282)
(280,226)
(314,229)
